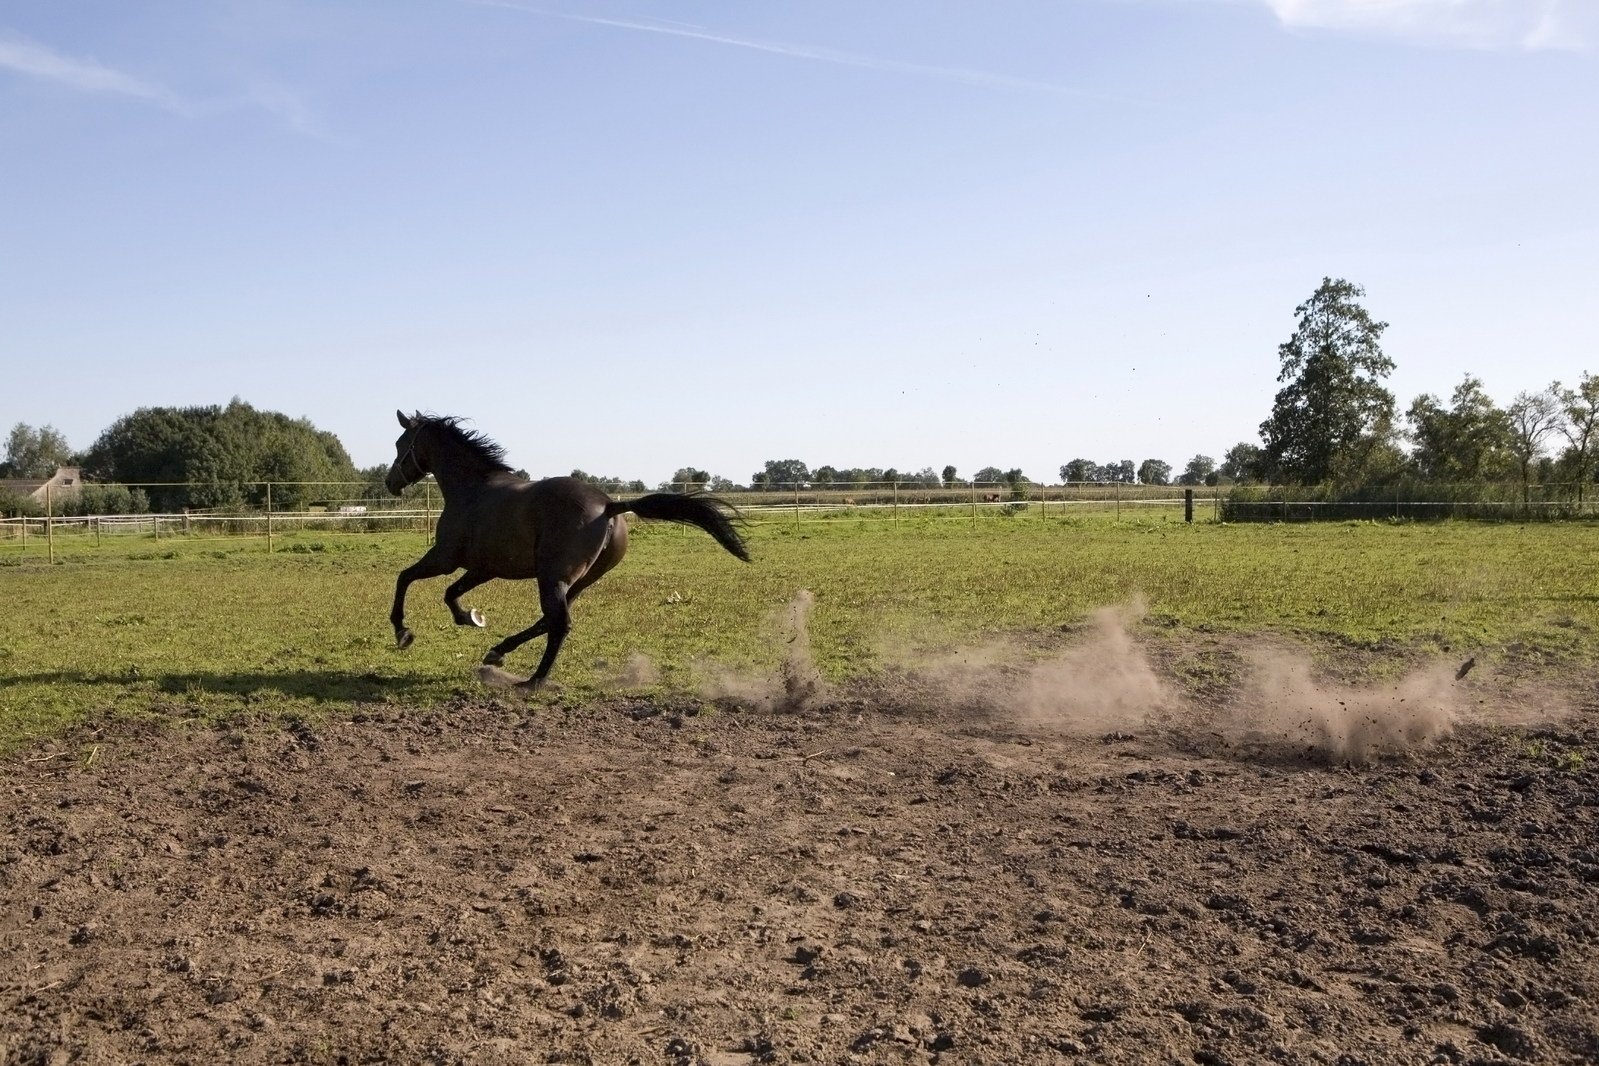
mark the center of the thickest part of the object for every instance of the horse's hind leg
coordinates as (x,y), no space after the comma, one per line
(452,597)
(557,621)
(610,555)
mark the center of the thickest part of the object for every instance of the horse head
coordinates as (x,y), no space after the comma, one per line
(409,465)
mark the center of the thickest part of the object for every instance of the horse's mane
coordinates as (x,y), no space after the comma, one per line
(476,444)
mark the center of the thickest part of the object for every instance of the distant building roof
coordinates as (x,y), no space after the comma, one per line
(66,479)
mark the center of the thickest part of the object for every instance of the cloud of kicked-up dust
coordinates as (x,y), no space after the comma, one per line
(1283,703)
(797,684)
(1102,684)
(1105,683)
(637,672)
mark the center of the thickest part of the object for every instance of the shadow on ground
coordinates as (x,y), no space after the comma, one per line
(331,686)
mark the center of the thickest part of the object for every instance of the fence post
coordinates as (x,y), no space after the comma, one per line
(49,519)
(269,516)
(896,503)
(796,504)
(97,519)
(1118,501)
(1188,506)
(974,501)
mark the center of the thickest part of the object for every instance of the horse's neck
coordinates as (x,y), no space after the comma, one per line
(459,477)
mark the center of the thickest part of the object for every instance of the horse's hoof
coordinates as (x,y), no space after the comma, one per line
(404,639)
(493,658)
(530,686)
(477,619)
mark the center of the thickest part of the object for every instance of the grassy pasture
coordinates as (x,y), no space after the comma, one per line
(214,628)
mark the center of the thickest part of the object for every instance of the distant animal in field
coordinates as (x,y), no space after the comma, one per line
(562,532)
(992,497)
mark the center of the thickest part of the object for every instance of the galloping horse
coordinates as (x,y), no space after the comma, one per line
(497,523)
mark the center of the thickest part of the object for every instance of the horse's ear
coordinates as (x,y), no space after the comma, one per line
(405,422)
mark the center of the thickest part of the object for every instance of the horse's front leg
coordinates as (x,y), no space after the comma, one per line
(452,597)
(434,564)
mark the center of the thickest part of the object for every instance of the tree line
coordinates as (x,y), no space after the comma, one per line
(1332,423)
(178,457)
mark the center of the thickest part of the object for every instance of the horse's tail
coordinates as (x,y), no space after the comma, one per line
(717,517)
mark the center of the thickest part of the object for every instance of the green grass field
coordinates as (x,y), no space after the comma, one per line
(213,628)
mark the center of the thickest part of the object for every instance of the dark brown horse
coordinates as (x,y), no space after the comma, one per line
(497,523)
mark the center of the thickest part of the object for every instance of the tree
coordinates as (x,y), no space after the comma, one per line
(1154,472)
(1468,441)
(1241,463)
(824,475)
(1533,416)
(221,456)
(784,474)
(949,477)
(1332,398)
(989,475)
(688,479)
(1018,483)
(34,453)
(1079,470)
(1581,427)
(1198,470)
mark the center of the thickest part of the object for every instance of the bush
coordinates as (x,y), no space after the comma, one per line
(16,505)
(1405,500)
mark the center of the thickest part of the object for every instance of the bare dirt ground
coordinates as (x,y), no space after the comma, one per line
(873,880)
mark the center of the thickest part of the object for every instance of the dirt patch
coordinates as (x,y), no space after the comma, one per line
(872,880)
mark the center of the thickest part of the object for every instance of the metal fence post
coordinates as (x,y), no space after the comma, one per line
(49,520)
(974,502)
(896,503)
(796,504)
(269,516)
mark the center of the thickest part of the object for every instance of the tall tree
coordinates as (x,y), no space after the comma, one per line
(219,456)
(1533,416)
(949,473)
(1581,427)
(1079,470)
(1241,463)
(1154,472)
(35,453)
(1332,399)
(1467,441)
(989,475)
(688,479)
(784,474)
(1198,471)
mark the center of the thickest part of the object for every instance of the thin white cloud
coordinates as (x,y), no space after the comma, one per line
(35,60)
(43,63)
(806,52)
(1529,24)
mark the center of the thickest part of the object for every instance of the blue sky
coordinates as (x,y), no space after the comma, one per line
(630,236)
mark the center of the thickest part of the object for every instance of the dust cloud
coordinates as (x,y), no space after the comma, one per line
(797,685)
(1102,684)
(1105,683)
(1284,703)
